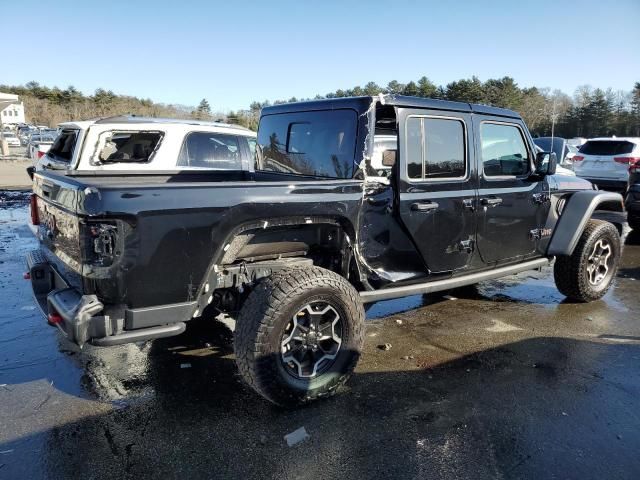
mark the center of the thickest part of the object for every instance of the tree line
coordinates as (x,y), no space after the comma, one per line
(589,112)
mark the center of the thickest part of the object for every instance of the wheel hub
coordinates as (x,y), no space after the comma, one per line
(311,341)
(598,262)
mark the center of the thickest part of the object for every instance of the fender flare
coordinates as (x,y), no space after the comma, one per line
(575,215)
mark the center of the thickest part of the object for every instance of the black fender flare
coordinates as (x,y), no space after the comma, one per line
(575,215)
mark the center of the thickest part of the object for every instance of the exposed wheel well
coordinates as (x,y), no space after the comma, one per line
(326,244)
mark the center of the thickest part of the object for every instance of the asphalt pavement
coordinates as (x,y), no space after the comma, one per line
(502,380)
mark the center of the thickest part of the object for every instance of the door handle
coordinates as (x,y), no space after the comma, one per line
(424,206)
(491,201)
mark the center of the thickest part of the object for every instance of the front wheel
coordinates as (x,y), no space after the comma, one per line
(299,335)
(587,273)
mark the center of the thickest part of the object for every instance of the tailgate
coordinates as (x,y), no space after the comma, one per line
(56,201)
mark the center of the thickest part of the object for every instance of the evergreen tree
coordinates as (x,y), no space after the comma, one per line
(203,112)
(411,89)
(426,88)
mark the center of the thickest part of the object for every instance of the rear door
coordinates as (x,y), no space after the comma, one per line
(437,186)
(512,204)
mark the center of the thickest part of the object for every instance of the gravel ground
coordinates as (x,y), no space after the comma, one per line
(504,380)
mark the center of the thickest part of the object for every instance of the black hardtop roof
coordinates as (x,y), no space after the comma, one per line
(362,104)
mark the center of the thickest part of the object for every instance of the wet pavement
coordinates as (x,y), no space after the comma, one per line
(503,380)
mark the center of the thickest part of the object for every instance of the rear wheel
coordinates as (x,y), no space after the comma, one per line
(586,275)
(299,335)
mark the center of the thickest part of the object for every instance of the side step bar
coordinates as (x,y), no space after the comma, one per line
(140,335)
(455,282)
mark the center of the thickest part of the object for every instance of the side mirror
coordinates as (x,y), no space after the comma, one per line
(546,163)
(389,158)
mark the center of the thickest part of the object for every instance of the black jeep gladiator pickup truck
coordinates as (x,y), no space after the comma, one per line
(350,201)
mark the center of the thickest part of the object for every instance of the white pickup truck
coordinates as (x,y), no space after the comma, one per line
(129,143)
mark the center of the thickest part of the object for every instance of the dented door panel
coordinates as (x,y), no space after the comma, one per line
(439,212)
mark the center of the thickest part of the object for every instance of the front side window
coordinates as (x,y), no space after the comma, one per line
(318,143)
(127,147)
(504,152)
(435,148)
(218,151)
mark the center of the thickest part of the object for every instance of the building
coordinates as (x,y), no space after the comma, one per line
(11,113)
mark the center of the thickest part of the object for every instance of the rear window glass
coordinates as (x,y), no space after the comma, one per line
(63,146)
(128,147)
(320,143)
(211,150)
(606,147)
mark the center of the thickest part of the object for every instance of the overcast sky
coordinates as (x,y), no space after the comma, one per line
(234,52)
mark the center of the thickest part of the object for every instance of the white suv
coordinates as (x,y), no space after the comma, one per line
(606,161)
(136,143)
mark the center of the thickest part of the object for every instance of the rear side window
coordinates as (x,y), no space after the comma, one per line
(64,145)
(435,148)
(607,147)
(128,147)
(320,143)
(504,152)
(211,150)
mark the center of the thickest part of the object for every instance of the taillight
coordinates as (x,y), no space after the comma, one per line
(54,318)
(577,158)
(40,154)
(626,160)
(33,203)
(635,167)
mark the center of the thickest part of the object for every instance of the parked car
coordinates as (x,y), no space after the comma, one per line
(134,143)
(24,133)
(632,201)
(560,146)
(11,139)
(606,161)
(39,144)
(300,242)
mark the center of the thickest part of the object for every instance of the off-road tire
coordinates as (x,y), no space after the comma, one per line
(264,317)
(570,271)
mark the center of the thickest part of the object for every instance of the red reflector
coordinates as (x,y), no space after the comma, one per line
(33,203)
(26,275)
(577,158)
(54,319)
(626,160)
(40,154)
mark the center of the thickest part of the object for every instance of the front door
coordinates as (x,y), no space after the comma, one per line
(436,186)
(512,203)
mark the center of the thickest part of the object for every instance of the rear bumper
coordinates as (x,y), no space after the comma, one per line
(83,318)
